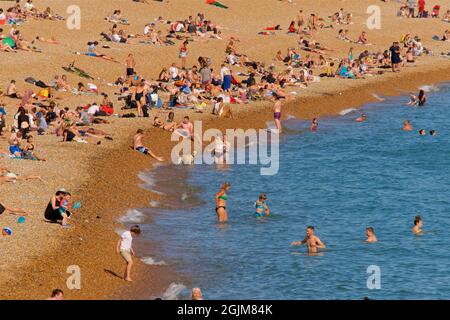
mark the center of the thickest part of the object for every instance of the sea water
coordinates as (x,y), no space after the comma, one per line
(341,179)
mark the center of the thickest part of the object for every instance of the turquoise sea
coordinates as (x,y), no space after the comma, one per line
(341,179)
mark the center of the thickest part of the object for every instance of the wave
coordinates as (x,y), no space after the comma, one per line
(154,204)
(148,178)
(132,216)
(152,262)
(378,97)
(289,117)
(429,88)
(173,291)
(346,111)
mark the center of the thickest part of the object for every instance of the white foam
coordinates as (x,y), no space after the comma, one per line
(289,117)
(147,178)
(429,88)
(173,291)
(271,125)
(346,111)
(152,262)
(154,203)
(184,196)
(377,97)
(132,216)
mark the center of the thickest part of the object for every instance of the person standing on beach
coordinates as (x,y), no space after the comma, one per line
(125,249)
(411,5)
(417,229)
(312,241)
(130,63)
(395,57)
(139,146)
(277,112)
(183,54)
(221,203)
(370,233)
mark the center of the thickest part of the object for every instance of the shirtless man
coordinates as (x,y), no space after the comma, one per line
(130,63)
(370,233)
(417,229)
(407,126)
(11,90)
(361,118)
(139,146)
(277,113)
(312,241)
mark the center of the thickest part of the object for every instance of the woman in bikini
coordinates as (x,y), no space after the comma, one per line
(261,208)
(221,203)
(170,124)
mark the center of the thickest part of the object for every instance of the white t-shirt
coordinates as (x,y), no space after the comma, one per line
(93,109)
(173,72)
(127,240)
(146,30)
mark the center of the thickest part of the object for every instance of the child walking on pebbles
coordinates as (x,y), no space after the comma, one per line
(124,247)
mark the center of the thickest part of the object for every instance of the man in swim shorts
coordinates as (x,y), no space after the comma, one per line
(138,145)
(277,112)
(312,241)
(130,65)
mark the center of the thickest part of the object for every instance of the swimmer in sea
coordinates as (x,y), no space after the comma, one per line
(361,118)
(314,124)
(370,233)
(432,133)
(412,100)
(422,98)
(261,208)
(422,132)
(221,203)
(417,229)
(407,126)
(277,112)
(312,241)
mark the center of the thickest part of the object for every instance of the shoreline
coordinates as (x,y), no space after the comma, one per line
(100,282)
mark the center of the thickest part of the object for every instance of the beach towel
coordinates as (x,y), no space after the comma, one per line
(216,3)
(9,42)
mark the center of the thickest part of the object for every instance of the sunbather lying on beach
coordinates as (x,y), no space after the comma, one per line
(8,176)
(11,210)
